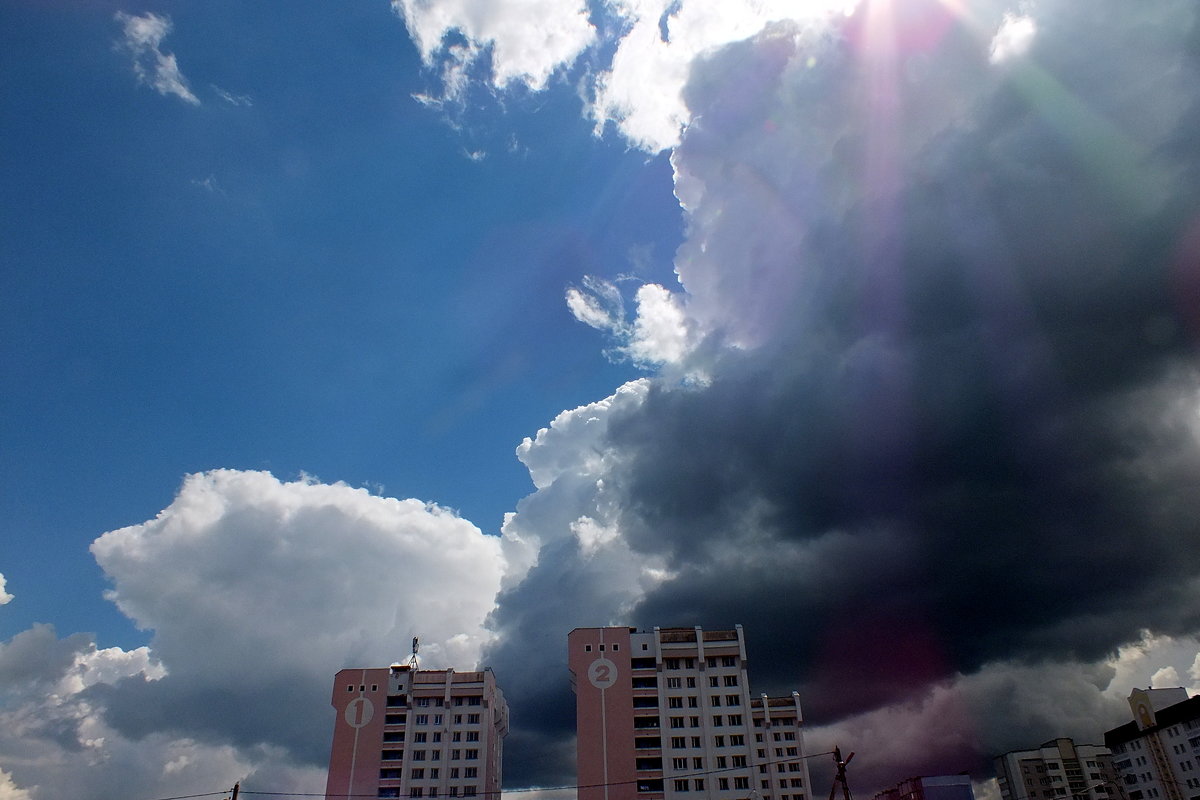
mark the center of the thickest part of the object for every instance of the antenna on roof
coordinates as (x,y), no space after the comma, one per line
(412,660)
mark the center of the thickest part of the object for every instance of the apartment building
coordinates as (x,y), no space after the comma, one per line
(935,787)
(407,732)
(1157,754)
(669,713)
(1058,769)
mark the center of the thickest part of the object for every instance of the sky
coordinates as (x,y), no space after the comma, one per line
(870,325)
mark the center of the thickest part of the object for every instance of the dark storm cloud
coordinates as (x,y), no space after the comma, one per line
(966,431)
(992,367)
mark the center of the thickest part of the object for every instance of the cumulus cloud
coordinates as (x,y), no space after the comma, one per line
(5,596)
(142,38)
(948,439)
(527,40)
(660,333)
(248,584)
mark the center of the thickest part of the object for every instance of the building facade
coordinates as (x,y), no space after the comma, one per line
(406,732)
(1157,755)
(939,787)
(669,713)
(1059,768)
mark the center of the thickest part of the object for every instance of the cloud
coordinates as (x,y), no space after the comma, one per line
(660,333)
(5,596)
(948,437)
(153,67)
(248,584)
(243,100)
(527,40)
(1013,39)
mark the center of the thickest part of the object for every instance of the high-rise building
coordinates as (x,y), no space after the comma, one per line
(939,787)
(1058,769)
(1157,755)
(669,713)
(407,732)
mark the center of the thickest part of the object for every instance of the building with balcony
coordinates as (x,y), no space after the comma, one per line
(1058,769)
(1157,755)
(407,732)
(669,713)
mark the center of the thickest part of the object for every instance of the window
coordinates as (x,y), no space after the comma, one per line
(693,702)
(679,763)
(793,767)
(349,688)
(453,773)
(389,774)
(395,719)
(418,774)
(722,762)
(673,702)
(791,751)
(433,791)
(394,736)
(681,784)
(455,755)
(472,736)
(697,763)
(779,752)
(468,791)
(694,722)
(676,722)
(728,661)
(474,700)
(673,683)
(678,742)
(437,736)
(671,663)
(739,761)
(723,784)
(392,755)
(714,681)
(472,755)
(762,754)
(601,648)
(689,663)
(789,736)
(456,736)
(396,701)
(696,741)
(587,648)
(422,719)
(741,783)
(419,737)
(698,784)
(718,741)
(711,661)
(691,683)
(733,700)
(735,719)
(433,774)
(615,647)
(758,736)
(414,791)
(435,755)
(437,719)
(717,721)
(472,719)
(737,740)
(731,680)
(797,783)
(422,701)
(777,736)
(418,755)
(471,772)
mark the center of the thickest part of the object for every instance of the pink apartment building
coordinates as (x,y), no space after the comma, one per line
(407,732)
(669,713)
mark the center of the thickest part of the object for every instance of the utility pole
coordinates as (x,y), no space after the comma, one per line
(841,775)
(236,787)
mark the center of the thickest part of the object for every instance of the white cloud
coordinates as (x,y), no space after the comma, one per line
(528,39)
(1013,39)
(249,584)
(1165,678)
(232,99)
(153,67)
(5,596)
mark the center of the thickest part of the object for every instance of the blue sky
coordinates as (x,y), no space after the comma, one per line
(316,279)
(870,325)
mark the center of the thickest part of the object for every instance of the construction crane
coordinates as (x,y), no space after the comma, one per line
(840,777)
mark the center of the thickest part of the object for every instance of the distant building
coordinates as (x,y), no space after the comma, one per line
(668,714)
(1058,769)
(1157,755)
(404,732)
(941,787)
